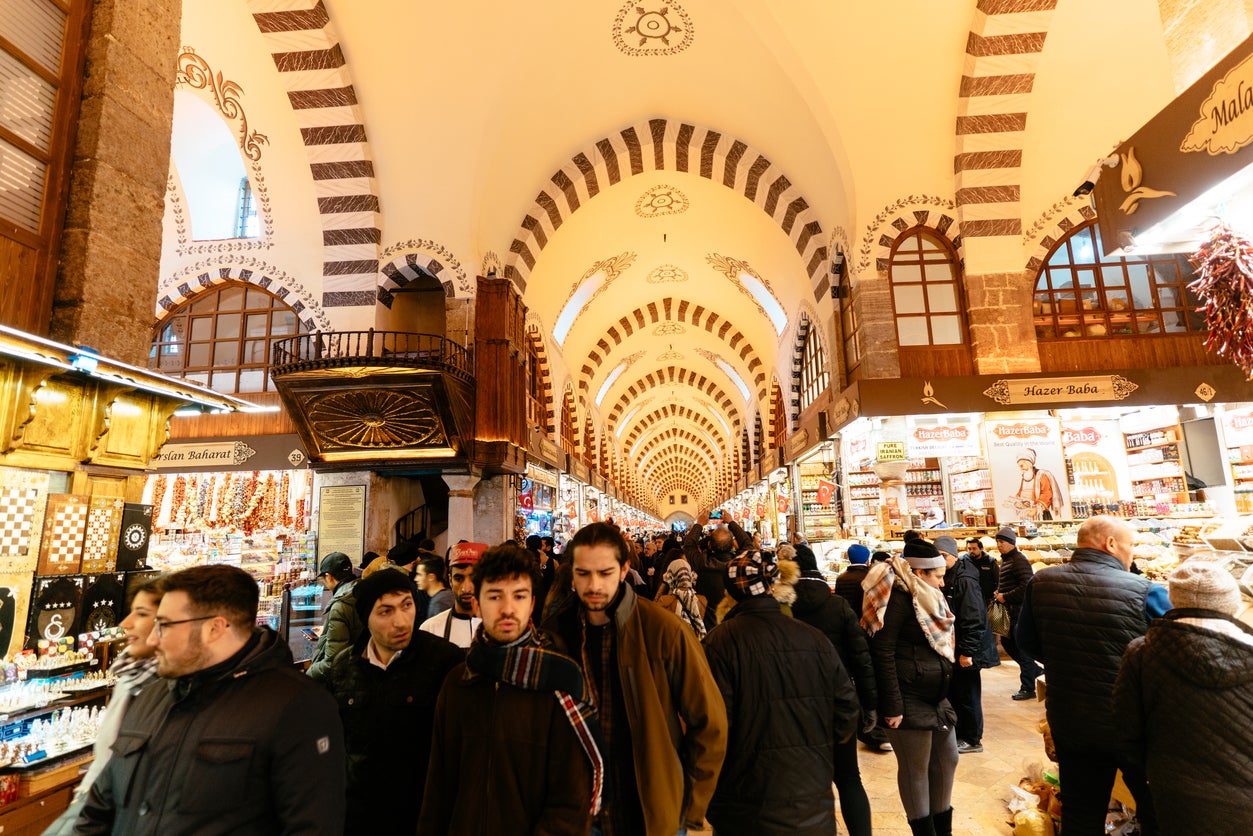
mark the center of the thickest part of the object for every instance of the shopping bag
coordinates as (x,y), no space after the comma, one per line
(998,618)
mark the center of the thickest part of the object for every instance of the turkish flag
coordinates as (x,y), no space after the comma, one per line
(572,509)
(761,509)
(593,515)
(527,501)
(826,491)
(783,504)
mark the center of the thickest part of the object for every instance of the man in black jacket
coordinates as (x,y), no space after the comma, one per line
(989,569)
(965,600)
(789,701)
(386,686)
(709,559)
(817,607)
(1011,590)
(233,740)
(848,584)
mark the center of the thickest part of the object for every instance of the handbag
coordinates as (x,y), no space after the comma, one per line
(998,618)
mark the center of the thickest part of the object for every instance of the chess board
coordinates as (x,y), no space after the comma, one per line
(65,526)
(23,496)
(104,522)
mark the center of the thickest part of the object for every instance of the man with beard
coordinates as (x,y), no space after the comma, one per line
(517,716)
(663,723)
(710,558)
(234,740)
(459,624)
(386,685)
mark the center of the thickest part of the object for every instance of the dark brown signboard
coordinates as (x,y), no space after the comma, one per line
(1194,144)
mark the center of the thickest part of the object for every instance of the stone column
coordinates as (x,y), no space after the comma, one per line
(461,508)
(1002,333)
(111,249)
(493,510)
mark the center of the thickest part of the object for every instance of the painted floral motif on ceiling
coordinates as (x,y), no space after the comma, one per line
(644,29)
(611,268)
(666,274)
(732,268)
(661,200)
(667,328)
(425,245)
(669,356)
(491,265)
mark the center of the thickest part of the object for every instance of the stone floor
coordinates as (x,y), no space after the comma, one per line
(1010,743)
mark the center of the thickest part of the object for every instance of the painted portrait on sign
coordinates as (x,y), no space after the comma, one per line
(1028,470)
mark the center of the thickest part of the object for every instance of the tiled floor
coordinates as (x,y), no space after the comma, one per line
(1010,742)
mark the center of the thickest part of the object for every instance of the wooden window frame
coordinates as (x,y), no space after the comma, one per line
(778,416)
(815,377)
(851,326)
(896,259)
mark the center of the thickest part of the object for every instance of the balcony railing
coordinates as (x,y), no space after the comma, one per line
(338,349)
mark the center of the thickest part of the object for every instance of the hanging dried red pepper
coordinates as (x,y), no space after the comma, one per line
(1224,283)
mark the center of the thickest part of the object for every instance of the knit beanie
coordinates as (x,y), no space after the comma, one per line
(922,555)
(368,590)
(946,544)
(1204,585)
(1007,534)
(805,558)
(858,554)
(750,574)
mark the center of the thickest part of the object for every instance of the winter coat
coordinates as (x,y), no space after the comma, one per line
(789,701)
(1016,573)
(387,716)
(341,627)
(1184,701)
(848,586)
(439,602)
(677,720)
(912,678)
(965,599)
(711,566)
(517,742)
(989,575)
(249,746)
(1084,614)
(818,607)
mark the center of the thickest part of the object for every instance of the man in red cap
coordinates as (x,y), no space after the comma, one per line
(459,624)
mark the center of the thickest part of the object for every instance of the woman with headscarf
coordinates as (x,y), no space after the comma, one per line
(678,594)
(912,643)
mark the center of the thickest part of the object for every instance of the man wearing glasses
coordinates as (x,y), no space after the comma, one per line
(234,740)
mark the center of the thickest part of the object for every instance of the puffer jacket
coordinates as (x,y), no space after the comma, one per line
(342,627)
(1184,701)
(1079,618)
(388,716)
(249,746)
(1016,573)
(912,678)
(818,607)
(848,586)
(789,701)
(965,599)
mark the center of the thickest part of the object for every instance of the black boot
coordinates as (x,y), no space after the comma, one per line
(924,826)
(943,823)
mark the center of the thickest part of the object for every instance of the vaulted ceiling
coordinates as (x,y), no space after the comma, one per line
(665,181)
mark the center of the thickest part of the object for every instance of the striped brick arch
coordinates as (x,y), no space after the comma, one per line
(410,267)
(312,68)
(670,412)
(671,374)
(938,215)
(686,468)
(670,145)
(1050,230)
(670,309)
(1002,53)
(311,316)
(677,434)
(535,337)
(804,323)
(676,450)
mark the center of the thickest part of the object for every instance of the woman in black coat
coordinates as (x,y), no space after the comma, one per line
(912,643)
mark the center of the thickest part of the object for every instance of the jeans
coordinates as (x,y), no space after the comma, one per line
(965,692)
(1028,669)
(854,804)
(1087,779)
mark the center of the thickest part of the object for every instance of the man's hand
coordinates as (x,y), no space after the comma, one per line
(999,597)
(894,722)
(965,661)
(703,519)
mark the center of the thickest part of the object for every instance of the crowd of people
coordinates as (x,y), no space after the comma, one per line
(650,685)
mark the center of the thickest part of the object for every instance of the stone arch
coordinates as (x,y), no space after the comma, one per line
(671,309)
(803,324)
(404,268)
(665,413)
(670,145)
(1049,229)
(311,314)
(312,68)
(1002,52)
(672,458)
(671,374)
(677,433)
(936,213)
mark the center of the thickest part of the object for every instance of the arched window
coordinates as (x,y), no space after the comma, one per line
(1081,293)
(205,153)
(926,297)
(813,371)
(850,326)
(778,416)
(569,423)
(222,338)
(537,411)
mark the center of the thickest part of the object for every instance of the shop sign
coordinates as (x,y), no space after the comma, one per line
(1024,458)
(226,454)
(797,443)
(1110,387)
(1098,461)
(890,451)
(543,477)
(1238,428)
(943,440)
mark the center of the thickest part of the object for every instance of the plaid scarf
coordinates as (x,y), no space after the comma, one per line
(930,608)
(131,672)
(524,663)
(679,580)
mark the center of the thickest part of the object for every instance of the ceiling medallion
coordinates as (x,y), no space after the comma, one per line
(669,355)
(667,328)
(379,418)
(651,28)
(661,200)
(667,273)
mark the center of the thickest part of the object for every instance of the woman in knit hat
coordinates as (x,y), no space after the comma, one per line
(1184,699)
(912,642)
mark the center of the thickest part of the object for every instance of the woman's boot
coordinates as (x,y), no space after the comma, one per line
(943,823)
(923,827)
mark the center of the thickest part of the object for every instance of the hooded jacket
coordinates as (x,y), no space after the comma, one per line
(249,746)
(676,718)
(711,566)
(965,599)
(789,701)
(387,717)
(341,628)
(831,614)
(1184,700)
(913,679)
